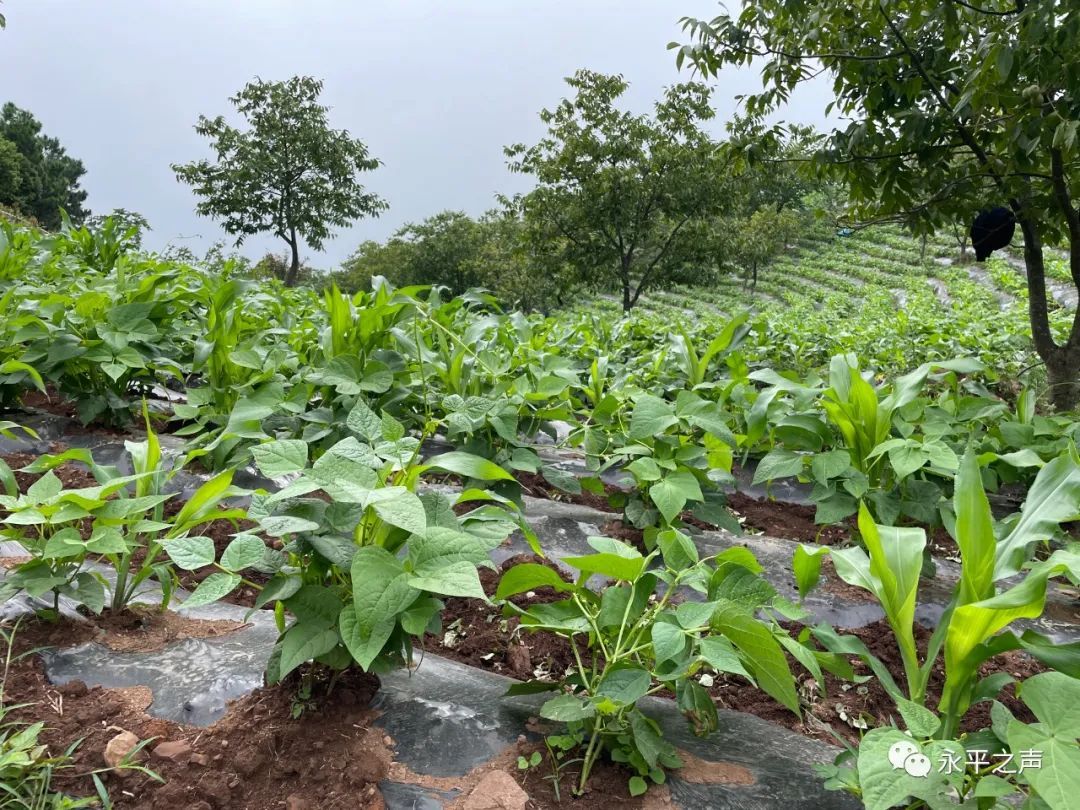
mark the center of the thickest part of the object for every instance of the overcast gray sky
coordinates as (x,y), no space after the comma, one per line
(435,88)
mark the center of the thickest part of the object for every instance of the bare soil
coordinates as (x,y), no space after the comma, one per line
(254,758)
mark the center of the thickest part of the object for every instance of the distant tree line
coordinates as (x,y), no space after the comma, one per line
(37,176)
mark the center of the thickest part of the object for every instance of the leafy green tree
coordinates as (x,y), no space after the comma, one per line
(10,170)
(756,240)
(46,179)
(288,174)
(949,108)
(126,222)
(616,191)
(445,249)
(391,260)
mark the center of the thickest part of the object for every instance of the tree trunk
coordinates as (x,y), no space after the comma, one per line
(294,265)
(624,276)
(1062,362)
(1063,376)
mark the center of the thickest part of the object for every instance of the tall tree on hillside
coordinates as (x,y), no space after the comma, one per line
(615,191)
(288,174)
(951,107)
(46,178)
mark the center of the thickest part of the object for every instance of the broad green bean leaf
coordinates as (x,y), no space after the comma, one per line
(826,466)
(315,605)
(364,422)
(211,589)
(567,708)
(528,577)
(400,507)
(303,642)
(106,540)
(779,463)
(920,721)
(677,548)
(281,525)
(614,566)
(671,494)
(245,551)
(280,457)
(692,615)
(470,466)
(46,487)
(624,684)
(380,587)
(191,553)
(1057,779)
(363,643)
(718,653)
(88,590)
(668,640)
(338,551)
(651,417)
(448,578)
(560,479)
(885,784)
(280,587)
(647,739)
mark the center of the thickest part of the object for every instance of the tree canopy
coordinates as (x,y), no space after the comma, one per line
(949,108)
(289,173)
(617,191)
(37,177)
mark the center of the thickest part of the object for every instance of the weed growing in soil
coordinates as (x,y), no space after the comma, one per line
(27,768)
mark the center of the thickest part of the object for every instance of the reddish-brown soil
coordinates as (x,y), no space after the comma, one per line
(254,758)
(477,633)
(536,486)
(139,628)
(785,520)
(72,476)
(51,401)
(795,522)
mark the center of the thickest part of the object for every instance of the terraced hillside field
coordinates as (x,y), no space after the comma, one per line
(880,293)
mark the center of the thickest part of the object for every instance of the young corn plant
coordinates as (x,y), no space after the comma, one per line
(975,624)
(119,523)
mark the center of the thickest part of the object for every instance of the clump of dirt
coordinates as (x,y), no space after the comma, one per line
(139,628)
(50,401)
(536,486)
(478,634)
(331,756)
(786,520)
